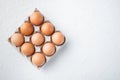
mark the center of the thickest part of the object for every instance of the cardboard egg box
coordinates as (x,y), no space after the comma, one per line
(42,48)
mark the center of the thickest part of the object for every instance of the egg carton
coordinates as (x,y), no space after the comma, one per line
(27,44)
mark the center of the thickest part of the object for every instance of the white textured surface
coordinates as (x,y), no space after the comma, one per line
(92,50)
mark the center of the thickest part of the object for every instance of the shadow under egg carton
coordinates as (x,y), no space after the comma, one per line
(37,42)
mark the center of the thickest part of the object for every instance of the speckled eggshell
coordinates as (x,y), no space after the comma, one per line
(17,39)
(58,38)
(48,49)
(36,18)
(27,49)
(47,28)
(38,59)
(37,39)
(26,28)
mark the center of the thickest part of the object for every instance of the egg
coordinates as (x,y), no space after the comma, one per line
(38,59)
(17,39)
(36,18)
(48,49)
(47,28)
(27,49)
(26,28)
(37,39)
(58,38)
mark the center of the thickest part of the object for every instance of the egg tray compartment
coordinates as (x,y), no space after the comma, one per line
(37,48)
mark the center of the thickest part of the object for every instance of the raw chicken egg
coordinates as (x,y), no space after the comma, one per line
(47,28)
(26,28)
(17,39)
(27,49)
(37,39)
(48,49)
(58,38)
(38,59)
(36,18)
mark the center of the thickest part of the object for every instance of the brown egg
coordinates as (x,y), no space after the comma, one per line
(26,28)
(36,18)
(37,39)
(47,28)
(27,49)
(48,49)
(58,38)
(17,39)
(38,59)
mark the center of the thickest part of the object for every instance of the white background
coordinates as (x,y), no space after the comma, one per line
(92,49)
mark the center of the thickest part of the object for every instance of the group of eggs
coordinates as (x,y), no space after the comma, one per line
(46,28)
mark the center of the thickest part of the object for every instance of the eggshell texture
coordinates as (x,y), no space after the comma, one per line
(38,59)
(26,28)
(36,18)
(48,49)
(27,49)
(17,39)
(58,38)
(37,39)
(47,28)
